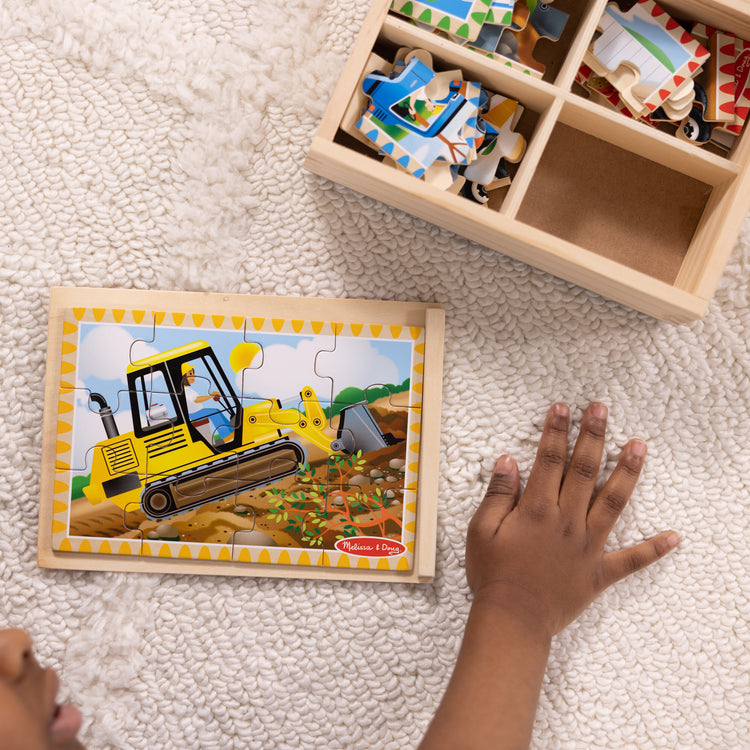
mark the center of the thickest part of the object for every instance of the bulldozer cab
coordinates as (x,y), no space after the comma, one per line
(185,386)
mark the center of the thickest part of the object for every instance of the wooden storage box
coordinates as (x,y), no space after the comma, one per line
(625,210)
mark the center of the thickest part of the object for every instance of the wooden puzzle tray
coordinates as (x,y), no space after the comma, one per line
(241,435)
(599,199)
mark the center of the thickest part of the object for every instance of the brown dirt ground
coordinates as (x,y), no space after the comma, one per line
(215,522)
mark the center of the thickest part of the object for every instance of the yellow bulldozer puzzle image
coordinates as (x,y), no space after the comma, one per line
(188,448)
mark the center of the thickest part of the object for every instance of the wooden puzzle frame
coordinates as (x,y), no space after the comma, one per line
(73,310)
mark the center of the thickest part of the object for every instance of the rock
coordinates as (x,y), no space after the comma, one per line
(390,478)
(167,531)
(390,494)
(359,480)
(254,539)
(397,464)
(152,535)
(376,473)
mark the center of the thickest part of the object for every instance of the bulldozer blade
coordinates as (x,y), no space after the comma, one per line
(358,431)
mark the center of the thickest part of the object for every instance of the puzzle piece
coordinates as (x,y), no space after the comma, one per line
(518,41)
(645,53)
(487,149)
(416,129)
(501,13)
(461,18)
(695,128)
(501,144)
(720,78)
(724,133)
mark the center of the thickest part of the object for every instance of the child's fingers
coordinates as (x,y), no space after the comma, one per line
(500,498)
(543,487)
(623,562)
(580,477)
(614,496)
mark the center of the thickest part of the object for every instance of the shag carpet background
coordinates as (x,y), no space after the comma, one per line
(158,144)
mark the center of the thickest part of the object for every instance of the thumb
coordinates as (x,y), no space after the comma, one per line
(500,498)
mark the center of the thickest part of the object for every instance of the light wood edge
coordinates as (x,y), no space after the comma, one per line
(526,169)
(650,143)
(270,306)
(429,452)
(407,313)
(501,233)
(729,15)
(715,240)
(353,69)
(585,33)
(45,554)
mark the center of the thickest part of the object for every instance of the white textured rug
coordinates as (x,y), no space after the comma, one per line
(158,144)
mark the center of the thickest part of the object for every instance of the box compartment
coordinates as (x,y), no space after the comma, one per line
(615,203)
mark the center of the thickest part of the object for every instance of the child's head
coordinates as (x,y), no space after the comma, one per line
(30,717)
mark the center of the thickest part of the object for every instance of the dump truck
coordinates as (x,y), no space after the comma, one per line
(194,441)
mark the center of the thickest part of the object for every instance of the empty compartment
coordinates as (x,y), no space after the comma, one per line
(615,203)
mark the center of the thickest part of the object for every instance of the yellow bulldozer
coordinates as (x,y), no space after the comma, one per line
(194,442)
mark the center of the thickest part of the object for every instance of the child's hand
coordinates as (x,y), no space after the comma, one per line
(540,557)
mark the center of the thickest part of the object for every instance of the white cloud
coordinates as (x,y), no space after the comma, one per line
(106,352)
(287,370)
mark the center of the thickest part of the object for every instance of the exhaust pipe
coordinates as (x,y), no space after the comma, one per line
(105,413)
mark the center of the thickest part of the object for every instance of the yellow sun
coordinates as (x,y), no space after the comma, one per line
(242,355)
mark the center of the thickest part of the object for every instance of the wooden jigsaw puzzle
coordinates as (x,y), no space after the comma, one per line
(242,435)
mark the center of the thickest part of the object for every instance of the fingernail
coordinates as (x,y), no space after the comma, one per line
(504,465)
(558,416)
(638,448)
(561,410)
(672,540)
(598,411)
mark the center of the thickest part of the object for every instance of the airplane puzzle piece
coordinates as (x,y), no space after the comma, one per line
(398,123)
(645,53)
(416,130)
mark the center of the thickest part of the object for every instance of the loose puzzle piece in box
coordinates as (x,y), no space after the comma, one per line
(724,132)
(461,18)
(501,13)
(531,21)
(211,443)
(719,84)
(417,118)
(646,54)
(437,126)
